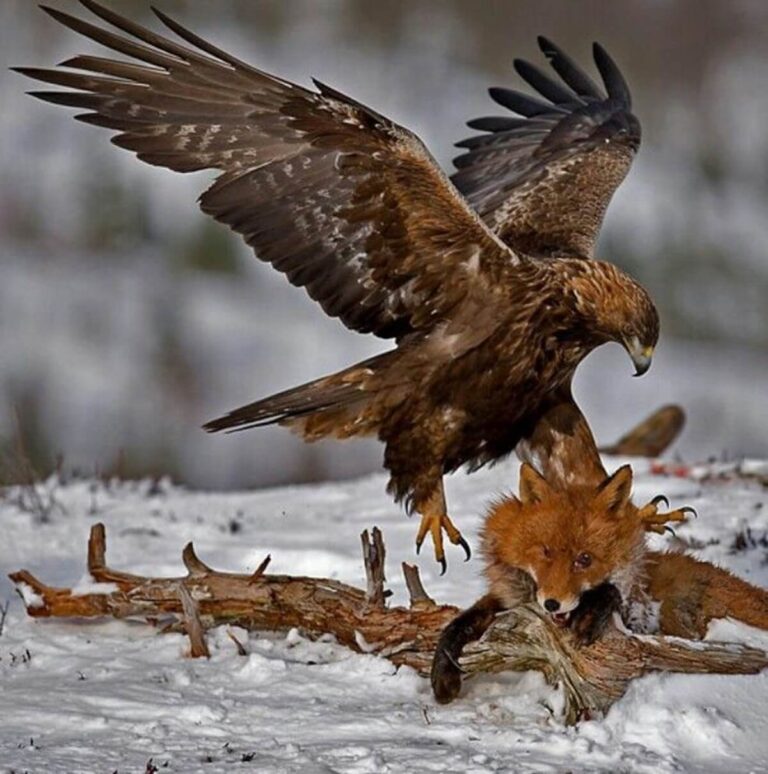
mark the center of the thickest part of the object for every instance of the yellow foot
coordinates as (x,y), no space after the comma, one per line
(659,522)
(436,524)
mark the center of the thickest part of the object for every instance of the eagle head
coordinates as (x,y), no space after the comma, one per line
(614,307)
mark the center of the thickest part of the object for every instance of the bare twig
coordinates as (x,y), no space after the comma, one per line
(416,592)
(241,649)
(195,566)
(374,556)
(261,569)
(193,625)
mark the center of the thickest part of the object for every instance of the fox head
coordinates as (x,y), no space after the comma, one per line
(567,542)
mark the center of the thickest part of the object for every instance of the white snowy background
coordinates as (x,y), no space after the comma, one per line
(85,697)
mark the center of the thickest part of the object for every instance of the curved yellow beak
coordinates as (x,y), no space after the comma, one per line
(641,355)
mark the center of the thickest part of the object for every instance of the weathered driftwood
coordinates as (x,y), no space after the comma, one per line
(652,436)
(594,677)
(259,601)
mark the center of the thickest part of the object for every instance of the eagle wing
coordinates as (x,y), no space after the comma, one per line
(343,201)
(542,180)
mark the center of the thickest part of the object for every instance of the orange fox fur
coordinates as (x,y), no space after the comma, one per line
(546,532)
(564,542)
(581,554)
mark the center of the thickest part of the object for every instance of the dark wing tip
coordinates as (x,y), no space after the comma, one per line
(614,81)
(93,6)
(55,13)
(55,97)
(165,19)
(494,123)
(555,92)
(568,70)
(522,104)
(546,46)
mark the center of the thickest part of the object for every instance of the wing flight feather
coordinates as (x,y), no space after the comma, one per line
(344,202)
(543,180)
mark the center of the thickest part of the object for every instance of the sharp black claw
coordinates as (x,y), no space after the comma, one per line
(418,546)
(467,550)
(660,499)
(669,529)
(688,509)
(443,566)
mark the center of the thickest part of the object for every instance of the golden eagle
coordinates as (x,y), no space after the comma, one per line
(487,284)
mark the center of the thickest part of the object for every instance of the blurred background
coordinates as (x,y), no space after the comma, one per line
(127,318)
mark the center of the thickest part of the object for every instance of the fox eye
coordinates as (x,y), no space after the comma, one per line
(547,553)
(583,560)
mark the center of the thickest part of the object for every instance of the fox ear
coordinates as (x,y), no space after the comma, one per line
(616,490)
(533,486)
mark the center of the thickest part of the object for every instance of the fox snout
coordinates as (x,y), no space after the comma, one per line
(556,604)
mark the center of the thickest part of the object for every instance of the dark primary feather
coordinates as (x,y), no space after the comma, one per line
(568,70)
(344,202)
(541,82)
(542,181)
(614,81)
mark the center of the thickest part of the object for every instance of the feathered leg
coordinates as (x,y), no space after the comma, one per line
(435,521)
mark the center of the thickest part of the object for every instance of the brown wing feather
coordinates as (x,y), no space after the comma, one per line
(341,200)
(542,182)
(560,444)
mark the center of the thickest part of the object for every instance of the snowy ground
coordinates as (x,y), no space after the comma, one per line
(110,696)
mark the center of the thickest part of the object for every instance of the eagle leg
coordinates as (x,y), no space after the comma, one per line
(435,521)
(655,521)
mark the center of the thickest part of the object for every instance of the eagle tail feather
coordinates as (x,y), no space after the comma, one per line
(331,405)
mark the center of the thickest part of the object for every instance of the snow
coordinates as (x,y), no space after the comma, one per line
(87,585)
(108,696)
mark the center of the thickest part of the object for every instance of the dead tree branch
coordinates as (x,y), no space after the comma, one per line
(652,436)
(594,677)
(257,601)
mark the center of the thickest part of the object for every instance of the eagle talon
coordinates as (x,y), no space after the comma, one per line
(436,523)
(689,509)
(655,521)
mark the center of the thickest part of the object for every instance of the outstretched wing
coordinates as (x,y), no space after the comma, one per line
(344,202)
(543,179)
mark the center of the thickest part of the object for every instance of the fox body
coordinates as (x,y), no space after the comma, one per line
(581,555)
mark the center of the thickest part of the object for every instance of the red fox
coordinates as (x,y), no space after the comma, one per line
(581,554)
